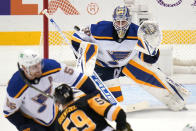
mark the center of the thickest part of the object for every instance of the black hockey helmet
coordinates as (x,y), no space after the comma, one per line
(63,94)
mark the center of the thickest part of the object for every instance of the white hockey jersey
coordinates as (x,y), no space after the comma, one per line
(31,102)
(112,53)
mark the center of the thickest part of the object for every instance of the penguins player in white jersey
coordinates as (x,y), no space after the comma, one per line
(27,108)
(125,48)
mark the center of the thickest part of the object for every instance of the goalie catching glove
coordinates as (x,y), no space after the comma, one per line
(150,33)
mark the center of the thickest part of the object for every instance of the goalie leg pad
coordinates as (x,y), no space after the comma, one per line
(114,87)
(157,84)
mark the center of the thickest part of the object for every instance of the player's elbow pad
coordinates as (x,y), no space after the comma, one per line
(151,59)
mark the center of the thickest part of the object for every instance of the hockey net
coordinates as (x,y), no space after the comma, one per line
(183,44)
(70,13)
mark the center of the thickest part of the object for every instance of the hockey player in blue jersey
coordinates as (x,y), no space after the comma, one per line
(125,48)
(27,108)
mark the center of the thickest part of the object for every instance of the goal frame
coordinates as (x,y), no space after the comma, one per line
(45,32)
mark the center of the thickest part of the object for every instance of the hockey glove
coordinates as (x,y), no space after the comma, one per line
(126,128)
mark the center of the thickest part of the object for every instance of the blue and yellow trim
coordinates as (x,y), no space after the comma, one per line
(116,91)
(51,71)
(140,43)
(21,91)
(141,56)
(132,37)
(101,63)
(81,81)
(143,76)
(103,37)
(91,51)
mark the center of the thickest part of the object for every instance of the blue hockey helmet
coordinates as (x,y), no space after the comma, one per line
(121,20)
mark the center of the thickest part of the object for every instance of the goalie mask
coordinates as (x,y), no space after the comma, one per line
(30,62)
(63,94)
(121,20)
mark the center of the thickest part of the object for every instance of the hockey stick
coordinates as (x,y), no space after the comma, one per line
(30,85)
(98,82)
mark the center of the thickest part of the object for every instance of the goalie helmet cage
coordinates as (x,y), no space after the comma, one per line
(182,42)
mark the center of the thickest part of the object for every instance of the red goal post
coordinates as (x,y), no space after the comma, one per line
(53,44)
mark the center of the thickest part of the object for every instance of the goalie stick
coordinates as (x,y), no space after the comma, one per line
(30,85)
(98,82)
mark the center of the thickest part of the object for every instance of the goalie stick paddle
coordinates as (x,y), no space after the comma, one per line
(30,85)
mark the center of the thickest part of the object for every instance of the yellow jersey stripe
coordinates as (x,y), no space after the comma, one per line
(116,88)
(132,37)
(21,91)
(102,37)
(51,71)
(81,82)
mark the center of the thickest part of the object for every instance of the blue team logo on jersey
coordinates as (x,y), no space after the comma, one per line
(118,56)
(41,99)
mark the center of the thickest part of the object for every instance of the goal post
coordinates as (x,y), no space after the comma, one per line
(45,31)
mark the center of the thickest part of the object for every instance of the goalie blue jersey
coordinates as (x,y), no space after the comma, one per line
(112,53)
